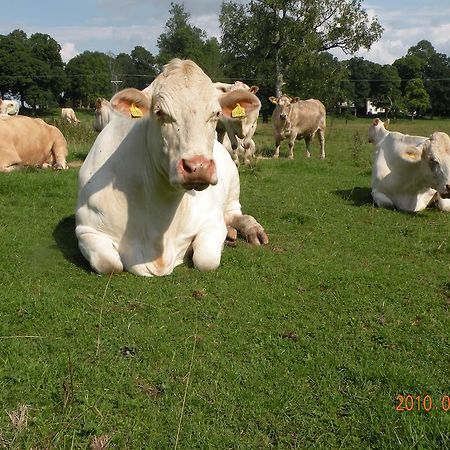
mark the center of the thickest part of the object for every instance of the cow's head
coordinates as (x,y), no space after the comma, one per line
(240,112)
(284,104)
(434,157)
(184,109)
(377,131)
(102,114)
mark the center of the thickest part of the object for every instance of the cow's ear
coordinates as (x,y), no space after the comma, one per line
(221,87)
(131,103)
(413,154)
(376,121)
(232,102)
(98,103)
(254,89)
(273,99)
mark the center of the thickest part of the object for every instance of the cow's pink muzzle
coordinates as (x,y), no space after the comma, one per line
(197,173)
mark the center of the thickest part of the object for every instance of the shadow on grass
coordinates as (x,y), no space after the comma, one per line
(360,196)
(64,235)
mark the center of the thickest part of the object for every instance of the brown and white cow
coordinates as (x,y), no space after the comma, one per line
(410,172)
(293,118)
(9,107)
(155,191)
(69,115)
(30,142)
(240,112)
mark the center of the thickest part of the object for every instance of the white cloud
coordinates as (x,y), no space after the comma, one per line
(68,51)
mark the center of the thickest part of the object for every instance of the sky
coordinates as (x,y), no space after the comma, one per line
(117,26)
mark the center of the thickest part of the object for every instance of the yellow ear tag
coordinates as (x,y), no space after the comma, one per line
(238,111)
(135,111)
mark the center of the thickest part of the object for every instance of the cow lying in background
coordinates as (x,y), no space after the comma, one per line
(240,112)
(409,172)
(69,115)
(155,191)
(9,107)
(30,142)
(293,118)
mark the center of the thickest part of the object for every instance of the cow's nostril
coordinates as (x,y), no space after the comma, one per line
(447,186)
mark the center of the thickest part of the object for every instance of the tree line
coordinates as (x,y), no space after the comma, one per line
(280,45)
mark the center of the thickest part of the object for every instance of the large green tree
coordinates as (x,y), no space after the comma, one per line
(89,77)
(436,74)
(32,68)
(145,67)
(282,32)
(360,74)
(385,89)
(416,99)
(180,39)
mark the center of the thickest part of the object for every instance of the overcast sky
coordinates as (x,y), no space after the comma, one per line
(119,25)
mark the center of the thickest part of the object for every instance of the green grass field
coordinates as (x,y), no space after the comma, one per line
(305,343)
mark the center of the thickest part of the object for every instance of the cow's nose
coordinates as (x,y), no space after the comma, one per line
(197,172)
(283,116)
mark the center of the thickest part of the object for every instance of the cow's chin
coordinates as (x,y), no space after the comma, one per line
(195,187)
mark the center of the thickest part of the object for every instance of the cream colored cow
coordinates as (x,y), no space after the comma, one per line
(293,118)
(409,172)
(9,107)
(240,112)
(155,191)
(69,115)
(30,142)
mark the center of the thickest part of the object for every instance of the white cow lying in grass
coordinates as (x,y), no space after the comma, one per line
(409,172)
(155,190)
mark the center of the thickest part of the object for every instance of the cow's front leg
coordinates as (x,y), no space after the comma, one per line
(443,203)
(99,249)
(207,246)
(248,227)
(321,134)
(308,140)
(292,139)
(382,200)
(277,146)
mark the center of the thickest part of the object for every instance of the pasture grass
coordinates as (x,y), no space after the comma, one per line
(304,343)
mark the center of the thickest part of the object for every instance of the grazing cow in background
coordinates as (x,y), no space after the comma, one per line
(30,142)
(155,191)
(69,115)
(240,108)
(409,172)
(9,107)
(293,118)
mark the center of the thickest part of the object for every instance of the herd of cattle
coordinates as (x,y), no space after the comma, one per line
(159,186)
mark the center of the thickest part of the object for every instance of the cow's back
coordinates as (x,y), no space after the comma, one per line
(308,116)
(31,139)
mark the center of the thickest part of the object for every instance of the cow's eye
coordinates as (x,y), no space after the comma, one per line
(216,115)
(434,163)
(162,115)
